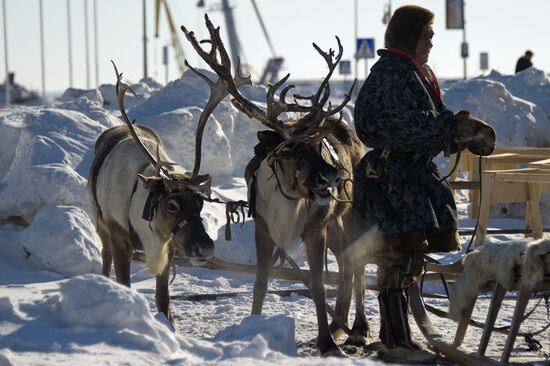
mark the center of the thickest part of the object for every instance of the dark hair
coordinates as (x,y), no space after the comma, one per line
(405,27)
(528,53)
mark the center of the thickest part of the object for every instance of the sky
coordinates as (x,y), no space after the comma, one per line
(503,28)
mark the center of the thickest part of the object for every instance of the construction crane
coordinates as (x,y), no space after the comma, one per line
(274,64)
(176,44)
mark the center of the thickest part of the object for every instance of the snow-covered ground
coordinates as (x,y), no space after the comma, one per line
(56,309)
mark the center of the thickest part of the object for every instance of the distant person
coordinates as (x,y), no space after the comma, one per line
(524,62)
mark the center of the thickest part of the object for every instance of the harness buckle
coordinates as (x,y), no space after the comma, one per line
(385,153)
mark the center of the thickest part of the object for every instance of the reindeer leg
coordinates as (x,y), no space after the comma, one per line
(162,295)
(122,255)
(264,251)
(315,246)
(345,280)
(106,251)
(361,329)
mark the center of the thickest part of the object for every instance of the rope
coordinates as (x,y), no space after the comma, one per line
(232,213)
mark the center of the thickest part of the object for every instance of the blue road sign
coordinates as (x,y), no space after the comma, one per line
(345,67)
(365,48)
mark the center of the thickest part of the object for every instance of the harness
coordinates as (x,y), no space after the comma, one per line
(261,153)
(150,209)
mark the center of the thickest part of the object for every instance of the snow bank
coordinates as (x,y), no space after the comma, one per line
(93,317)
(278,331)
(41,148)
(517,122)
(531,84)
(62,239)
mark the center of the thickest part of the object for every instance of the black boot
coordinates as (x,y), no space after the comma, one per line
(395,333)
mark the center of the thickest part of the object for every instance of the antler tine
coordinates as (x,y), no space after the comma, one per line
(121,89)
(331,64)
(316,115)
(218,91)
(277,106)
(223,70)
(347,98)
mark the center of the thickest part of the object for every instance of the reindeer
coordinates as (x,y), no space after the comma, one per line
(300,169)
(143,202)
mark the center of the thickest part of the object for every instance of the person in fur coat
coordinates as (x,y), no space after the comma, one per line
(398,190)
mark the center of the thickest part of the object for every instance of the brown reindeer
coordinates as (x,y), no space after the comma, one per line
(301,169)
(143,202)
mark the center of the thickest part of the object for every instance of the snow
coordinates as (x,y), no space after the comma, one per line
(56,308)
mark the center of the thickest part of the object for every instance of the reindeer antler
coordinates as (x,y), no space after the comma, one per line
(318,100)
(121,89)
(227,84)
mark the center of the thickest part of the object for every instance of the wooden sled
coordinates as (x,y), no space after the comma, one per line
(436,340)
(498,295)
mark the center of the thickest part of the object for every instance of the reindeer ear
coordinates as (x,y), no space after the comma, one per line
(153,184)
(270,139)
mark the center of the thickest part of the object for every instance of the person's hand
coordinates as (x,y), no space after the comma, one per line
(478,136)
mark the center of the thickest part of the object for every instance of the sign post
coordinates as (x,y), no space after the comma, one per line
(165,63)
(484,61)
(364,49)
(455,20)
(345,69)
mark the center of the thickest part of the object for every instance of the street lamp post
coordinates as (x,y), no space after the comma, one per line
(7,80)
(42,55)
(69,40)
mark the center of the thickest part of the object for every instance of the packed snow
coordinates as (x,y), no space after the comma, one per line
(55,308)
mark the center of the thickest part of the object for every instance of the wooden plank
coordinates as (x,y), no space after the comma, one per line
(540,163)
(525,176)
(523,150)
(496,301)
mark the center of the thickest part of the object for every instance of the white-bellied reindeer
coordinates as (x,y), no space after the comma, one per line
(143,202)
(300,169)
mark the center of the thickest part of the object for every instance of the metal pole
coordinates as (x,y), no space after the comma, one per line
(464,38)
(232,34)
(7,81)
(87,45)
(96,56)
(165,63)
(70,43)
(144,40)
(366,68)
(355,40)
(42,56)
(264,29)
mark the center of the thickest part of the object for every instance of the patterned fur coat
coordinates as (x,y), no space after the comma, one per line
(396,110)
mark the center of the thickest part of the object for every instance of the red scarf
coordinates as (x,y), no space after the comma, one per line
(430,82)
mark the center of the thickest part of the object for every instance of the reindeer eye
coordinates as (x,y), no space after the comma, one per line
(172,206)
(285,154)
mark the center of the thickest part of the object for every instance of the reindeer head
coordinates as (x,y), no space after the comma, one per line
(175,198)
(300,153)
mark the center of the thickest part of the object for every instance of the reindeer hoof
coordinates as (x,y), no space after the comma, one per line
(357,340)
(334,352)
